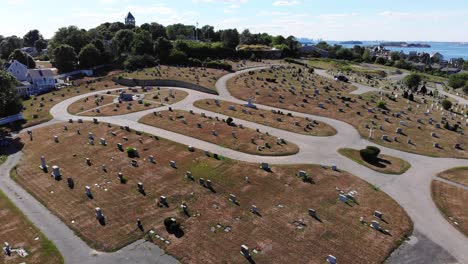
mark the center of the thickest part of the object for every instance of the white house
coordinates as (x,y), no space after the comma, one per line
(18,70)
(42,80)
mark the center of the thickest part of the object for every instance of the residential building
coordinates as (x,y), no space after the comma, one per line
(30,50)
(130,20)
(42,80)
(17,69)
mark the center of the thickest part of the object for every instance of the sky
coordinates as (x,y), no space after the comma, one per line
(402,20)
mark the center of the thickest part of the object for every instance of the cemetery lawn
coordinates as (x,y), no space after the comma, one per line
(19,232)
(205,77)
(458,175)
(245,64)
(32,106)
(282,88)
(282,233)
(386,164)
(268,119)
(451,201)
(150,99)
(173,121)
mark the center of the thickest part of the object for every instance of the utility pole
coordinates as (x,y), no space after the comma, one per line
(196,32)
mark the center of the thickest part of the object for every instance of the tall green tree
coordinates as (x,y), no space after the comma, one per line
(40,45)
(143,43)
(23,57)
(64,58)
(72,36)
(31,37)
(230,38)
(156,30)
(8,45)
(180,31)
(246,38)
(162,49)
(10,101)
(123,41)
(89,57)
(412,81)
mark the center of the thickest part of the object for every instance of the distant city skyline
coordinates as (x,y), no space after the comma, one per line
(397,20)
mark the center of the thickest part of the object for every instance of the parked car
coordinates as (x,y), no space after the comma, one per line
(341,78)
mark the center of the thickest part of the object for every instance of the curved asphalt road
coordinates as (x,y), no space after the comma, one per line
(411,190)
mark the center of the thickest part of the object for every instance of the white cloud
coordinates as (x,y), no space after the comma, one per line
(285,3)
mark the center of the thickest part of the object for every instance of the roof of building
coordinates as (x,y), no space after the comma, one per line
(41,73)
(129,16)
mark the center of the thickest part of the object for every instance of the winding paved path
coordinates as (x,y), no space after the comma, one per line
(411,190)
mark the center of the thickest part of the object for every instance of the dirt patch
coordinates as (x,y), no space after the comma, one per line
(219,132)
(278,119)
(458,175)
(205,77)
(20,233)
(451,202)
(384,164)
(217,228)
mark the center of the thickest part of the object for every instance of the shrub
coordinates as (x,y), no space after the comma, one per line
(411,97)
(132,152)
(218,65)
(446,104)
(370,153)
(405,94)
(382,105)
(229,121)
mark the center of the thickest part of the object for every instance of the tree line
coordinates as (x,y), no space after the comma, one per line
(134,47)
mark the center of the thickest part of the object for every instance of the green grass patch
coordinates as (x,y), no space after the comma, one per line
(396,165)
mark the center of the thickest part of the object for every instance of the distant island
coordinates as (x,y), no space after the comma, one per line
(352,42)
(405,45)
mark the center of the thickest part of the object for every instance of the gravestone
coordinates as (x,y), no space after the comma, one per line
(331,259)
(140,187)
(189,175)
(245,251)
(103,142)
(90,135)
(378,214)
(151,159)
(375,224)
(43,165)
(88,192)
(120,147)
(201,181)
(232,198)
(88,162)
(265,166)
(191,149)
(312,213)
(56,172)
(334,168)
(399,130)
(208,184)
(99,215)
(173,164)
(343,198)
(56,139)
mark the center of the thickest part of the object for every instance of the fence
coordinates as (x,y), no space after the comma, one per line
(11,118)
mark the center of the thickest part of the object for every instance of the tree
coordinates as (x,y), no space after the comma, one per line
(72,36)
(366,56)
(412,81)
(143,43)
(162,49)
(246,37)
(123,41)
(40,45)
(135,62)
(64,58)
(99,45)
(395,55)
(89,56)
(177,57)
(230,38)
(207,33)
(344,54)
(31,37)
(156,30)
(278,40)
(23,57)
(370,154)
(457,80)
(10,101)
(380,60)
(446,104)
(180,31)
(8,45)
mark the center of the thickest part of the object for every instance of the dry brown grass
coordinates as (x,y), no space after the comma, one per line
(152,99)
(289,87)
(458,175)
(205,77)
(244,64)
(385,164)
(282,199)
(267,118)
(451,202)
(33,107)
(20,233)
(173,121)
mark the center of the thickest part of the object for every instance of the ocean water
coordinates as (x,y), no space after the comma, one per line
(448,49)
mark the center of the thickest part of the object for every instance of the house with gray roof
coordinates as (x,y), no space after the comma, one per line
(42,80)
(17,69)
